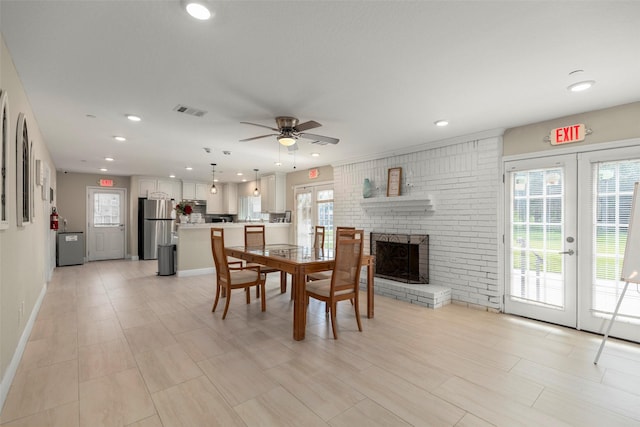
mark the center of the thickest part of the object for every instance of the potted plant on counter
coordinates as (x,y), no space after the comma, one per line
(183,210)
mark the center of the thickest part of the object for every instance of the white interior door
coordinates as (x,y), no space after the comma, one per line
(606,186)
(106,224)
(540,239)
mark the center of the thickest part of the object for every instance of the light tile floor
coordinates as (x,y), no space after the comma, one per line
(116,345)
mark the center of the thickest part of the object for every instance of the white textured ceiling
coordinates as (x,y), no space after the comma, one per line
(376,74)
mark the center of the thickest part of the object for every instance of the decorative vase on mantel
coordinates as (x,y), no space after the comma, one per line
(366,188)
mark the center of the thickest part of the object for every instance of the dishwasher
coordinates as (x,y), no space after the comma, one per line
(70,248)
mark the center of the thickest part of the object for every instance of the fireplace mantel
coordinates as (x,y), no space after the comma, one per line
(402,204)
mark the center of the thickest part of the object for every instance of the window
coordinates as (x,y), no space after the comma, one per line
(314,206)
(4,118)
(23,172)
(251,209)
(106,209)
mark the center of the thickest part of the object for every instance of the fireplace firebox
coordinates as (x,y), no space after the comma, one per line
(401,257)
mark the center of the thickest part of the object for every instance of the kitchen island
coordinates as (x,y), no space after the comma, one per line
(194,243)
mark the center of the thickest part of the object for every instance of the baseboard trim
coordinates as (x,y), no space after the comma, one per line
(12,369)
(196,272)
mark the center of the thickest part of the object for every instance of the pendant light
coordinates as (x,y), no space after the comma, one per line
(256,192)
(213,189)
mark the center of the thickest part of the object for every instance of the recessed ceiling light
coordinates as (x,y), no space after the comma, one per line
(580,86)
(120,138)
(172,176)
(239,174)
(103,169)
(216,180)
(441,123)
(189,168)
(315,154)
(244,179)
(278,163)
(109,159)
(197,9)
(133,118)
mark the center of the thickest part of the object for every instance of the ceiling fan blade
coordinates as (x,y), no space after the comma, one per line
(258,137)
(320,138)
(262,126)
(311,124)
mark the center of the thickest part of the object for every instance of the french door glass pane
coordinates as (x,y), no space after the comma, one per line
(537,216)
(613,191)
(304,220)
(106,209)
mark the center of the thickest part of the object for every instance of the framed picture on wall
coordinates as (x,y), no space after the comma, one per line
(394,178)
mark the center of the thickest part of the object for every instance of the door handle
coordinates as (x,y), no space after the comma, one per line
(569,252)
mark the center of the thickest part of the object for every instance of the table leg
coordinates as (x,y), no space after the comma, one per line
(299,306)
(283,282)
(369,290)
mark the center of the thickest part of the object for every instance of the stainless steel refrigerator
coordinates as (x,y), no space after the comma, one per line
(155,226)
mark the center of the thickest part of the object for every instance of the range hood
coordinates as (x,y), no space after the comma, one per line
(196,202)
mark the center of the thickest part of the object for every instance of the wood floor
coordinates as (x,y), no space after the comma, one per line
(115,345)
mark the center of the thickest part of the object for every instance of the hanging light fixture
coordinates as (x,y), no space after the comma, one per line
(256,192)
(213,189)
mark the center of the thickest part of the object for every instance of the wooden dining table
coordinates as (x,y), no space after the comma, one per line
(299,261)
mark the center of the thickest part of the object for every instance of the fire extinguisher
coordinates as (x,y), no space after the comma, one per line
(54,219)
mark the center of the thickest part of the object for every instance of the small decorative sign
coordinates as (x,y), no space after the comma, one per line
(106,183)
(394,178)
(314,173)
(568,134)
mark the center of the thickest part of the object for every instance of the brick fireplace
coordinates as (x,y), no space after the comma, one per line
(401,257)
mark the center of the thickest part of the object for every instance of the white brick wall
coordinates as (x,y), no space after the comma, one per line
(464,182)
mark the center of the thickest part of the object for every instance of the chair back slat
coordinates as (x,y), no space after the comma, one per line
(219,255)
(346,272)
(254,235)
(318,237)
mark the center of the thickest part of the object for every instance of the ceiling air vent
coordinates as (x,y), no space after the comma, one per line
(189,110)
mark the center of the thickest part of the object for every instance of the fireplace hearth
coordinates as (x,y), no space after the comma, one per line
(401,257)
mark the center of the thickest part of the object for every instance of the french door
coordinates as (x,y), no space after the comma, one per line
(314,206)
(567,221)
(541,239)
(105,224)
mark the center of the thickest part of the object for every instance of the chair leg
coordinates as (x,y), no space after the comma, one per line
(247,292)
(263,300)
(257,291)
(326,306)
(357,308)
(333,320)
(226,304)
(215,302)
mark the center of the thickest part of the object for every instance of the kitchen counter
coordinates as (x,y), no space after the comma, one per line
(194,243)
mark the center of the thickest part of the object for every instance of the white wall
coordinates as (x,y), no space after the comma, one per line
(463,180)
(26,252)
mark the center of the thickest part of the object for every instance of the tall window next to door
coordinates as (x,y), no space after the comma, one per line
(4,111)
(613,192)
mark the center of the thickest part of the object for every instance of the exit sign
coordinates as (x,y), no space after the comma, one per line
(313,173)
(568,134)
(106,183)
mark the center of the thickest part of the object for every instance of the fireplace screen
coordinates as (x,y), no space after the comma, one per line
(401,257)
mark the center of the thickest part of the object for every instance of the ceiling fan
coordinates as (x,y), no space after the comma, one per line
(288,131)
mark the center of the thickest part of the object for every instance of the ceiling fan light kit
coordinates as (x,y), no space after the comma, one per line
(286,140)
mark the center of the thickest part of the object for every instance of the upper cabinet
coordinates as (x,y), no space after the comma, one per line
(273,189)
(215,202)
(192,190)
(170,187)
(230,199)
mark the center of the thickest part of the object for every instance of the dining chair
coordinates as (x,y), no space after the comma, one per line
(344,283)
(228,278)
(321,275)
(254,236)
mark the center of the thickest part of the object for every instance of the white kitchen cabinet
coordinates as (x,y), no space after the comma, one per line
(215,202)
(171,187)
(188,190)
(230,199)
(203,190)
(273,192)
(147,186)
